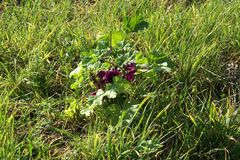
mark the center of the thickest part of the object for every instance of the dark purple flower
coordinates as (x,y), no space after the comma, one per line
(107,76)
(130,71)
(110,74)
(129,77)
(101,74)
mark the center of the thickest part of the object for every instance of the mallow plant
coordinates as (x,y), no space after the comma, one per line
(108,75)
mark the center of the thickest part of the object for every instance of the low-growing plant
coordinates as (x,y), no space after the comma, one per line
(108,76)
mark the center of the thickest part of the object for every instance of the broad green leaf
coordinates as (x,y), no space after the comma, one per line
(77,83)
(89,108)
(150,75)
(165,61)
(119,85)
(103,41)
(86,111)
(129,109)
(76,73)
(111,93)
(117,38)
(162,67)
(99,92)
(160,59)
(134,23)
(98,99)
(103,44)
(141,26)
(112,113)
(140,59)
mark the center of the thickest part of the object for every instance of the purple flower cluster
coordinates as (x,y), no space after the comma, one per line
(108,75)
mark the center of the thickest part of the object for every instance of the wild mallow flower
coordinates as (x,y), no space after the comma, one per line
(104,78)
(130,69)
(107,76)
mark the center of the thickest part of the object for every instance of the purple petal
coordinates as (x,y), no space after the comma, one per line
(111,74)
(101,74)
(107,76)
(129,76)
(130,71)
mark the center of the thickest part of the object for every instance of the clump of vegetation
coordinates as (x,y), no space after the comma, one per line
(119,79)
(111,68)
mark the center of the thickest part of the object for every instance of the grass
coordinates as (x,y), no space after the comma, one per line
(189,115)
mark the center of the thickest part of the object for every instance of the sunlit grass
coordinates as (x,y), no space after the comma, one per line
(189,115)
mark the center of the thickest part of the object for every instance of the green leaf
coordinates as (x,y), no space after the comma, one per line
(157,58)
(111,93)
(97,100)
(86,111)
(151,75)
(129,109)
(140,59)
(141,26)
(117,38)
(134,23)
(112,113)
(76,73)
(77,83)
(74,85)
(103,41)
(88,57)
(119,85)
(165,61)
(162,67)
(160,62)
